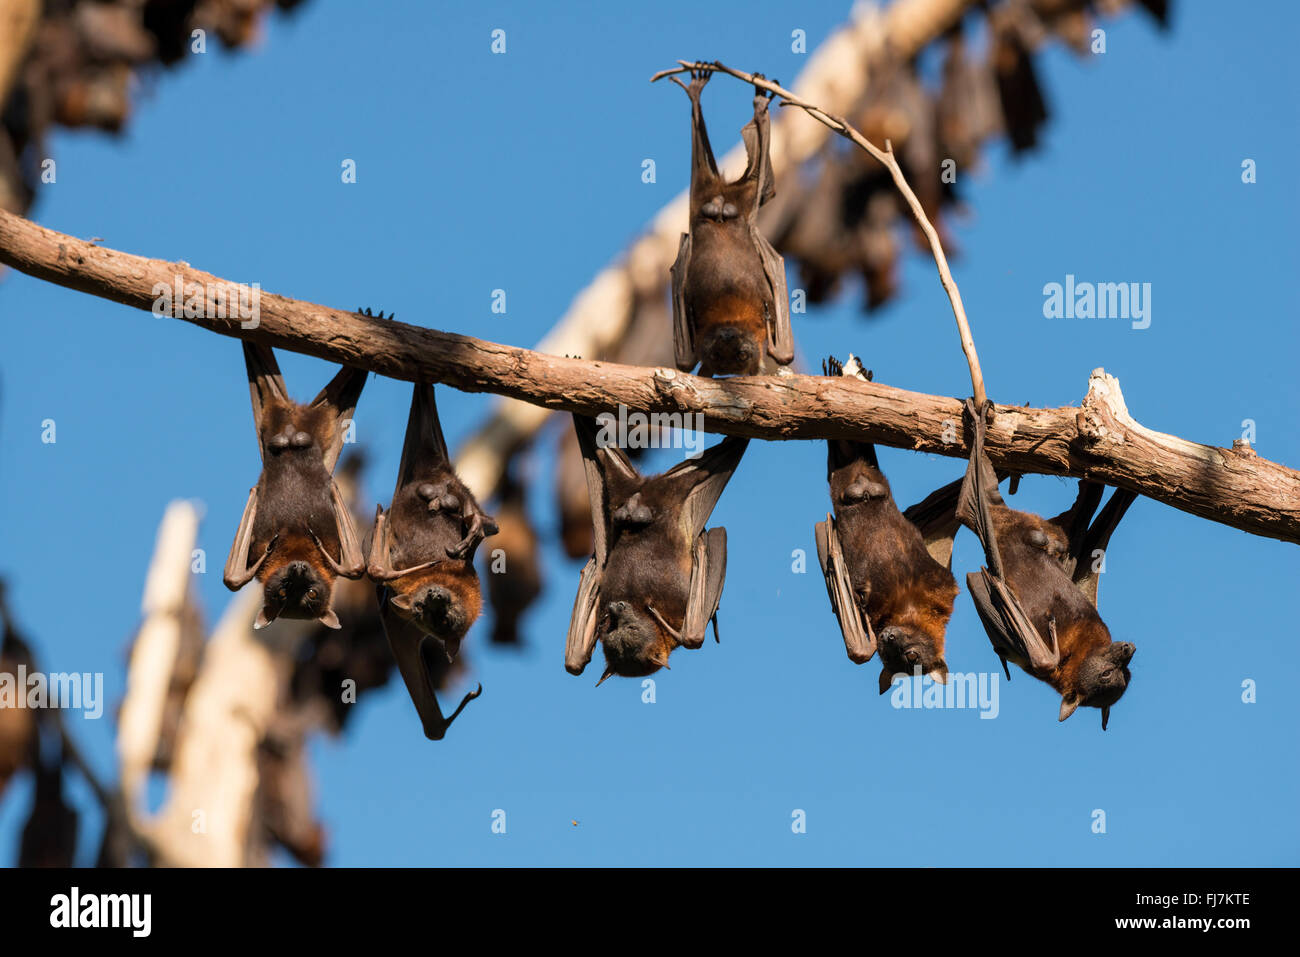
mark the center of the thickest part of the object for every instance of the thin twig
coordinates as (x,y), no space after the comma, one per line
(887,159)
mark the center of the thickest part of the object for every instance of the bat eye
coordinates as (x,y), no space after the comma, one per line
(1108,672)
(282,592)
(311,593)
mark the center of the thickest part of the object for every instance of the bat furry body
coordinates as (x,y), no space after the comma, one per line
(1037,598)
(887,585)
(295,520)
(656,577)
(421,556)
(731,311)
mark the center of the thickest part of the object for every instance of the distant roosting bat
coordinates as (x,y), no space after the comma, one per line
(421,557)
(656,577)
(731,311)
(295,520)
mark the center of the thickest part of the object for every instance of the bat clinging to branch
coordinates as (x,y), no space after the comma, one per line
(421,556)
(1038,596)
(888,575)
(656,577)
(296,520)
(731,311)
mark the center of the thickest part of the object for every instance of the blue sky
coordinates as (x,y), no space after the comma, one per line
(523,172)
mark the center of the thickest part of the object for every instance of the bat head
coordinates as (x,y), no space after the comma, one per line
(905,649)
(1101,680)
(732,334)
(297,589)
(442,601)
(635,645)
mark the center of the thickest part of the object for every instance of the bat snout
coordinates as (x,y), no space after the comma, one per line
(905,651)
(441,612)
(731,350)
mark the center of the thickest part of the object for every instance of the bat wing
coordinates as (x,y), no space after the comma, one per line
(1010,631)
(265,383)
(779,337)
(935,516)
(1086,575)
(608,470)
(859,639)
(581,640)
(683,338)
(1009,628)
(979,489)
(757,135)
(701,481)
(340,397)
(1074,521)
(238,572)
(708,573)
(412,649)
(424,448)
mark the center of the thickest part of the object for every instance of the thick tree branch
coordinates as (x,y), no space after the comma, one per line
(1099,441)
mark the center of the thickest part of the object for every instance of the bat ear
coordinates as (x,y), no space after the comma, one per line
(400,600)
(939,672)
(330,620)
(608,671)
(264,618)
(886,679)
(1068,707)
(1105,717)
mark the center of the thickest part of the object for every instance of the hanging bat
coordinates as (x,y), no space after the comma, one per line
(647,342)
(1024,107)
(656,577)
(50,835)
(285,802)
(421,557)
(514,588)
(731,312)
(1037,597)
(296,520)
(890,586)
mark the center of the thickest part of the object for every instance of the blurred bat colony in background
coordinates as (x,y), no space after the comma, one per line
(87,59)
